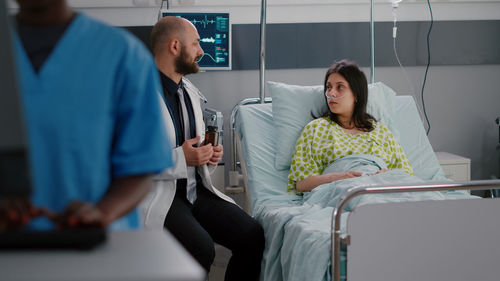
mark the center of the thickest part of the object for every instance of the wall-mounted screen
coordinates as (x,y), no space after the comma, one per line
(215,37)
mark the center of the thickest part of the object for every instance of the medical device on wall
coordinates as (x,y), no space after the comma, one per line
(214,123)
(215,37)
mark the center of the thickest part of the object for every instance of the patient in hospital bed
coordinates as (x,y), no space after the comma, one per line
(346,130)
(298,228)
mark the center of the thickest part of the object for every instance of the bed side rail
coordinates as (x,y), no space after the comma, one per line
(233,173)
(357,191)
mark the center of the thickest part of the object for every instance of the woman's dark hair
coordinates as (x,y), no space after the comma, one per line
(359,86)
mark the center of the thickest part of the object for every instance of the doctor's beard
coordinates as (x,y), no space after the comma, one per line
(183,64)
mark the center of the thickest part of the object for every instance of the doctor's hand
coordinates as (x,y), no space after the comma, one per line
(196,156)
(217,155)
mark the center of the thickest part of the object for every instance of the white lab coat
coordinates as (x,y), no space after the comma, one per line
(155,206)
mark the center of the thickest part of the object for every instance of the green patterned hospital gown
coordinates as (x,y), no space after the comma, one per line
(322,142)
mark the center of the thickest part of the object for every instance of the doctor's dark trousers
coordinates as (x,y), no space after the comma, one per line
(211,219)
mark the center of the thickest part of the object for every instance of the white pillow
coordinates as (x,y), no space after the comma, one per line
(294,107)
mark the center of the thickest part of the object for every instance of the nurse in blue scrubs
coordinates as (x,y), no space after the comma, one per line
(90,96)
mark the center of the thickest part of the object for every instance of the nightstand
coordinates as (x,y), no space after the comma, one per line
(455,167)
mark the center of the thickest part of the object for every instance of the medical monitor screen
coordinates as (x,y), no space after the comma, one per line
(215,38)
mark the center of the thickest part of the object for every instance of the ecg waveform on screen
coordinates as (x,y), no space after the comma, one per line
(208,40)
(205,54)
(216,60)
(204,21)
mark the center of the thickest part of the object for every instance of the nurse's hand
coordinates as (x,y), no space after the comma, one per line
(217,155)
(79,214)
(196,156)
(14,213)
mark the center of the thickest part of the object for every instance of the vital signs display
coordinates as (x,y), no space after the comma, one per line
(215,37)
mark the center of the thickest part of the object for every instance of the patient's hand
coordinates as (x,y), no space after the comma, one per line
(312,182)
(341,176)
(381,171)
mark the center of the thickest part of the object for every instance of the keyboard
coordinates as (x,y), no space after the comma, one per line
(66,239)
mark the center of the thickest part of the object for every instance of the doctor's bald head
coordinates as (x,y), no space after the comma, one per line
(166,29)
(176,45)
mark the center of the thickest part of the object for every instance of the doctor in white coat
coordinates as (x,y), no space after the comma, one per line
(183,199)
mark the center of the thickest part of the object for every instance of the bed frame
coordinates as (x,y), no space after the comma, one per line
(428,240)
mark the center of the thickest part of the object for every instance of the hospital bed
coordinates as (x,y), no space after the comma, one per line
(388,237)
(430,229)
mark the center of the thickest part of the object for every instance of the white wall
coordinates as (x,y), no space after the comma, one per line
(145,12)
(127,16)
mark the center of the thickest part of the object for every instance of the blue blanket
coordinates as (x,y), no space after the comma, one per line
(298,232)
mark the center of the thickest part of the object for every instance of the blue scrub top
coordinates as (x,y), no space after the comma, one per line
(92,114)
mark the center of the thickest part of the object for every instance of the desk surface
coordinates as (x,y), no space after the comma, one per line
(134,255)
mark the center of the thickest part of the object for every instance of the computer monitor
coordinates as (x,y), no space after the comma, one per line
(14,167)
(215,37)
